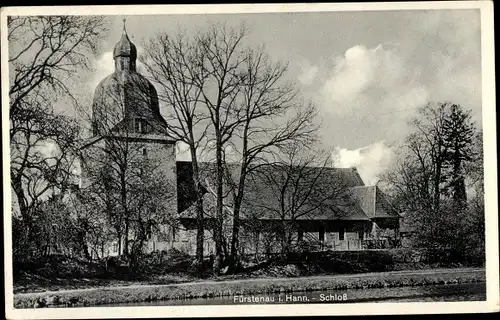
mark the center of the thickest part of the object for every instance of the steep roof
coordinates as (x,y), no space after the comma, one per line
(373,202)
(322,196)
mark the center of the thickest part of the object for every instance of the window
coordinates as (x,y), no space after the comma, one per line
(174,233)
(149,230)
(115,247)
(322,233)
(341,233)
(301,235)
(361,235)
(144,152)
(140,125)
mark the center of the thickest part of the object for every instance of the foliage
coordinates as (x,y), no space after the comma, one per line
(429,182)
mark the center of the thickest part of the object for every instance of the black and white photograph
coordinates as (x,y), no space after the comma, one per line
(253,159)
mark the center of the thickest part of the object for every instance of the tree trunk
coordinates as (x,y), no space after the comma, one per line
(119,235)
(200,225)
(233,255)
(437,181)
(125,244)
(125,213)
(459,192)
(23,207)
(219,207)
(234,259)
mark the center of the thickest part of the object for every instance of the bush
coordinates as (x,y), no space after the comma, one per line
(165,261)
(60,266)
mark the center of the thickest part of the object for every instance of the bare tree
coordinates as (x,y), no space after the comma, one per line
(220,79)
(208,72)
(226,95)
(173,63)
(44,51)
(428,142)
(271,118)
(299,185)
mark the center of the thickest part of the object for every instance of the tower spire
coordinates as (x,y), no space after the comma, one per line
(124,28)
(125,52)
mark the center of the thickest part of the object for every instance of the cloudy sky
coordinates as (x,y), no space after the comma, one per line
(367,71)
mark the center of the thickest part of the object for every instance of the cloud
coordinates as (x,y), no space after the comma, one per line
(104,66)
(369,94)
(371,161)
(308,73)
(368,73)
(452,68)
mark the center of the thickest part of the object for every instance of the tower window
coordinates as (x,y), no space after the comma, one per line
(144,152)
(140,125)
(174,233)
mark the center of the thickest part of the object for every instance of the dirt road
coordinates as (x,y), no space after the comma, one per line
(262,280)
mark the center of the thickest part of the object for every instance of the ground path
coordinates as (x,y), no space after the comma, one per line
(253,280)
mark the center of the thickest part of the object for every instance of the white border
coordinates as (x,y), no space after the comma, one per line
(489,129)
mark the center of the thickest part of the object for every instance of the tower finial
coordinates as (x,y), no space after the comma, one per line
(124,29)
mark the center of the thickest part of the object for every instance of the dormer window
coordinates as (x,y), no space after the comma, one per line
(140,125)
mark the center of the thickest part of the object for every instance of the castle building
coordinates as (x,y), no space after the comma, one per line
(126,123)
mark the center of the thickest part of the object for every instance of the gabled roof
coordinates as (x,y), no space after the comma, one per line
(261,200)
(373,202)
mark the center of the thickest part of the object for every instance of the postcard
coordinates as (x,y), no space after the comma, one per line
(236,160)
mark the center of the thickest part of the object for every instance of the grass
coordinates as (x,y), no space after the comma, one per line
(148,293)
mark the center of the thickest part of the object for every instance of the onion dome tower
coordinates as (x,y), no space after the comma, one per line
(125,101)
(128,128)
